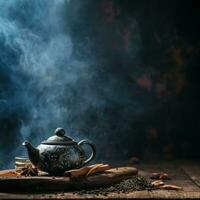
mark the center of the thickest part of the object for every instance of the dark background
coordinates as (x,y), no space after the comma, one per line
(137,97)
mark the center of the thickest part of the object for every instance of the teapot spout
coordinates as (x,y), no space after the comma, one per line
(33,153)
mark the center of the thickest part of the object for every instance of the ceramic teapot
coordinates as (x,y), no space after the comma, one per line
(59,153)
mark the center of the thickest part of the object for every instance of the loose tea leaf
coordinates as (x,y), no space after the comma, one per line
(136,183)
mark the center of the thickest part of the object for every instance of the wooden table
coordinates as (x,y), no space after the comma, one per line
(184,174)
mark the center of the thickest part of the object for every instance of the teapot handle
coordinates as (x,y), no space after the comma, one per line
(93,150)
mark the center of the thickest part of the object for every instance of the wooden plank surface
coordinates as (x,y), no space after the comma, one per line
(161,194)
(184,174)
(192,170)
(175,171)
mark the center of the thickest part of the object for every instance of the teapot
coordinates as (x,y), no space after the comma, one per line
(59,153)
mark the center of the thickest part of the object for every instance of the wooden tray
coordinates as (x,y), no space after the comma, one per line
(53,184)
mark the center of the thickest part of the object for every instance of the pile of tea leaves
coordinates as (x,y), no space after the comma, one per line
(136,183)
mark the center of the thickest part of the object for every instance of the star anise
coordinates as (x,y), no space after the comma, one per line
(29,170)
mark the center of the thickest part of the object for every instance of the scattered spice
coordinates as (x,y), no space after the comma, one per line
(170,187)
(9,174)
(164,176)
(160,176)
(155,175)
(157,183)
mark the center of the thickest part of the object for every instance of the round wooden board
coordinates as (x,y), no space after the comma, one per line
(49,183)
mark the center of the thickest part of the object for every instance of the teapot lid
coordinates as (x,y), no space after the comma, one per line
(59,138)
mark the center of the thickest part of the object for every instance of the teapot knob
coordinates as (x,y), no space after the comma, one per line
(60,132)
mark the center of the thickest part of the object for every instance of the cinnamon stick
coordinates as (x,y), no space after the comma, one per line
(97,169)
(86,170)
(170,187)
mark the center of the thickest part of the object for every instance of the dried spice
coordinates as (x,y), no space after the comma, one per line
(87,170)
(136,183)
(160,176)
(29,171)
(9,174)
(170,187)
(157,183)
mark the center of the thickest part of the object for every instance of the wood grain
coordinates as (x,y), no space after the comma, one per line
(184,174)
(193,171)
(159,194)
(47,184)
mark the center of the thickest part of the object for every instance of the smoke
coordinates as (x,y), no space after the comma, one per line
(39,74)
(56,73)
(102,70)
